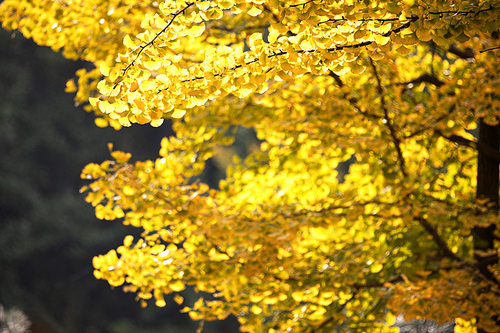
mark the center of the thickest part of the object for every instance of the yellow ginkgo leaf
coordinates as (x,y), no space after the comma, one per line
(177,113)
(127,41)
(106,107)
(104,69)
(152,65)
(376,267)
(157,122)
(196,30)
(254,11)
(177,285)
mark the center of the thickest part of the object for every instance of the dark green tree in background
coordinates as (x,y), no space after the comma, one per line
(48,234)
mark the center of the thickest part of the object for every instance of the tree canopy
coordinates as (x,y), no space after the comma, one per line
(406,92)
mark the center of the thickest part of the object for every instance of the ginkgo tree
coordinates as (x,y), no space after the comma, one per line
(407,91)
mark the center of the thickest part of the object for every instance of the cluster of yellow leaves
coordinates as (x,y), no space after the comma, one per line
(173,65)
(163,58)
(285,243)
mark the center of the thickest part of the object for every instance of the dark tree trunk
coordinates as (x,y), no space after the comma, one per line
(487,170)
(487,187)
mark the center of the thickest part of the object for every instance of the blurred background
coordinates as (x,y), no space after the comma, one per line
(48,233)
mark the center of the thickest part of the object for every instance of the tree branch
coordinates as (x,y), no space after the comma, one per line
(460,140)
(330,319)
(427,78)
(352,100)
(437,239)
(468,53)
(489,152)
(388,121)
(396,279)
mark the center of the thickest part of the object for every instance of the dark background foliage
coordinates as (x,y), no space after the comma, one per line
(48,233)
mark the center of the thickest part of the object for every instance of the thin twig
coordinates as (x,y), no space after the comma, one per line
(434,123)
(414,18)
(143,47)
(461,12)
(490,49)
(301,4)
(343,19)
